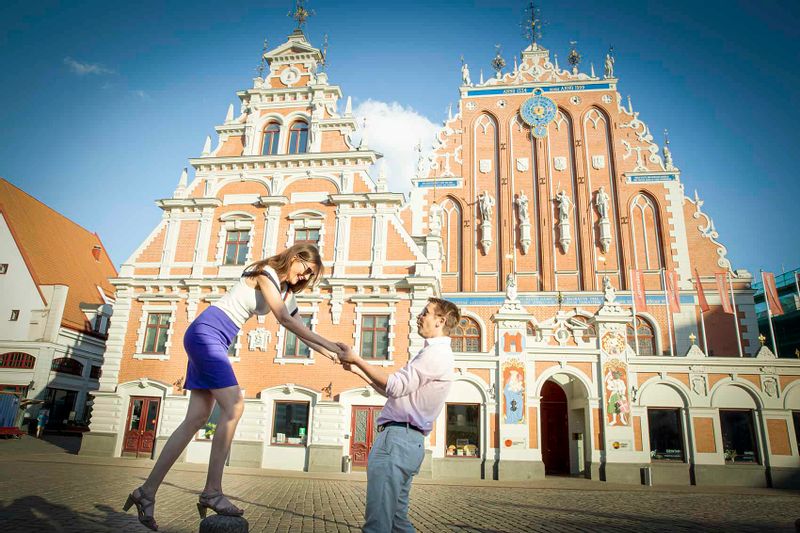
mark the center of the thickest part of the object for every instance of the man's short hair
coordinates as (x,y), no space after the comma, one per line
(447,310)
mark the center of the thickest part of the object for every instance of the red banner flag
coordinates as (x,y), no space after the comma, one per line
(701,296)
(673,298)
(637,288)
(724,293)
(771,294)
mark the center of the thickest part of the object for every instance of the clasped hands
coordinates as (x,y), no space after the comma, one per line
(345,356)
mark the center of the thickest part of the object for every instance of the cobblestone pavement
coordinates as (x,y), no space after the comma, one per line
(44,488)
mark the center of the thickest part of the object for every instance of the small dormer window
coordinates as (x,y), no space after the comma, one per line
(298,137)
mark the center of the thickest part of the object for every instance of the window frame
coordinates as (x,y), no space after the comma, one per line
(632,338)
(464,338)
(753,434)
(96,372)
(374,329)
(298,138)
(681,434)
(274,137)
(273,435)
(241,246)
(447,405)
(307,319)
(158,326)
(67,365)
(17,360)
(306,229)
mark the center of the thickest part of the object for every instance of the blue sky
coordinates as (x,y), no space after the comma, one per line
(103,102)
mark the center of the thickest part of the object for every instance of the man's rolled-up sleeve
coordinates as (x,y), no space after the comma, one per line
(414,375)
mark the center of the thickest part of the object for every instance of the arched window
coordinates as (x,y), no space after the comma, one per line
(530,329)
(17,360)
(646,230)
(645,335)
(65,365)
(298,137)
(271,134)
(467,336)
(452,242)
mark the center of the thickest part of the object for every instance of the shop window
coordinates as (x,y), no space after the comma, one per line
(666,434)
(290,425)
(738,436)
(463,430)
(375,337)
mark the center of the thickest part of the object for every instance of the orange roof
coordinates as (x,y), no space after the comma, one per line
(58,251)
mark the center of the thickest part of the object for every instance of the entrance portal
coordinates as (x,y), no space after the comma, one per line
(555,429)
(364,429)
(140,430)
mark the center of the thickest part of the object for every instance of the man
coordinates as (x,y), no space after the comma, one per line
(41,422)
(415,396)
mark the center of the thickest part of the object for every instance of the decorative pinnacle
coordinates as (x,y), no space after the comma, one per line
(762,339)
(498,62)
(263,65)
(692,338)
(666,137)
(301,14)
(574,58)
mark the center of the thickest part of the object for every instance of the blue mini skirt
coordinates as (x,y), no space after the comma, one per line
(206,342)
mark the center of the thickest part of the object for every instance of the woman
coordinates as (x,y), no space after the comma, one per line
(265,286)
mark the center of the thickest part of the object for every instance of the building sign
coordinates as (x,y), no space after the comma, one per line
(651,178)
(443,184)
(560,88)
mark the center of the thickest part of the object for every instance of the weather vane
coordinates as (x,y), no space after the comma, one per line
(263,65)
(301,13)
(324,61)
(574,57)
(532,25)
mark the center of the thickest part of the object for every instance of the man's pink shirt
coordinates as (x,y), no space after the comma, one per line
(416,393)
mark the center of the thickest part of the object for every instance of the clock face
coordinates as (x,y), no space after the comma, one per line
(538,111)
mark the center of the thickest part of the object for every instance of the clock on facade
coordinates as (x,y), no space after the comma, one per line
(538,111)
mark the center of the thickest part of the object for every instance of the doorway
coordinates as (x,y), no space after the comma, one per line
(61,404)
(363,430)
(140,428)
(555,430)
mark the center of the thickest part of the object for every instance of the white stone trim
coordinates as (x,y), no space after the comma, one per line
(313,220)
(280,345)
(235,221)
(147,308)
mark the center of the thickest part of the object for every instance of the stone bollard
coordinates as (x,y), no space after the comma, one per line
(218,523)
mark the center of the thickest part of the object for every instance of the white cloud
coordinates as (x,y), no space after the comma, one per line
(394,131)
(141,94)
(81,69)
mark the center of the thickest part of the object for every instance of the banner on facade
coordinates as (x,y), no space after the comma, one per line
(771,294)
(637,288)
(701,295)
(724,293)
(673,298)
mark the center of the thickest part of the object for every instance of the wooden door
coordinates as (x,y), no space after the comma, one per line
(363,429)
(140,428)
(555,429)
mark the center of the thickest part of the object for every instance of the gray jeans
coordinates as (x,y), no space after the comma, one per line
(395,458)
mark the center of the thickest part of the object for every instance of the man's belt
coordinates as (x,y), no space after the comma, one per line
(401,424)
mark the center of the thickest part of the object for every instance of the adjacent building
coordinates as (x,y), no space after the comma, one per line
(545,190)
(785,327)
(55,308)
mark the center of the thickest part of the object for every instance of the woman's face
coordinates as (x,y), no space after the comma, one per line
(300,270)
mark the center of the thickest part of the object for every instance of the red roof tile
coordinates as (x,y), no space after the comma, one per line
(58,252)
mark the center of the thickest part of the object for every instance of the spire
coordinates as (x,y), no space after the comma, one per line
(532,25)
(207,146)
(668,165)
(324,62)
(183,181)
(630,106)
(229,114)
(450,112)
(348,108)
(555,60)
(363,144)
(480,81)
(591,69)
(382,182)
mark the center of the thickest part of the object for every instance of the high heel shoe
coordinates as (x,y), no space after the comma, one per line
(212,501)
(141,502)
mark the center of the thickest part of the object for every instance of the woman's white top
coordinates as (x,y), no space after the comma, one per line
(241,302)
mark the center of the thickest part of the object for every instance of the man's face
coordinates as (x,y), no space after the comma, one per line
(428,323)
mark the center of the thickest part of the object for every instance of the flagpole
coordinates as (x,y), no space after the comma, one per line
(669,312)
(735,316)
(634,280)
(769,315)
(702,319)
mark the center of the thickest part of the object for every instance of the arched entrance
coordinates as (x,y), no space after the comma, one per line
(555,429)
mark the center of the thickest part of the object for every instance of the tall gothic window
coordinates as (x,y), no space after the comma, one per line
(466,337)
(451,242)
(646,233)
(298,138)
(271,134)
(645,335)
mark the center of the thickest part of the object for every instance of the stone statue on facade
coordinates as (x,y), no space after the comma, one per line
(435,223)
(564,205)
(465,75)
(601,201)
(522,207)
(511,287)
(609,292)
(668,158)
(486,204)
(609,65)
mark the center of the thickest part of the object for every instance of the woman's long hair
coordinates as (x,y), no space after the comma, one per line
(283,261)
